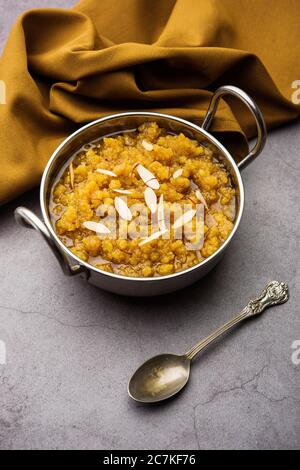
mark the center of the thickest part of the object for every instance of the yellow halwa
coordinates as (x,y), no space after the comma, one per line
(182,170)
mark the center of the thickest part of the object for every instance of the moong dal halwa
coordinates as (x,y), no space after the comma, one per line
(95,204)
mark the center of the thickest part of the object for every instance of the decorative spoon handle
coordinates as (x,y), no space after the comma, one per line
(274,293)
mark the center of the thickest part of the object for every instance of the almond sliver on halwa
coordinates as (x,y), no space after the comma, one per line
(122,191)
(177,173)
(152,237)
(151,199)
(147,146)
(122,208)
(94,194)
(154,184)
(96,227)
(210,221)
(200,196)
(106,172)
(184,218)
(148,177)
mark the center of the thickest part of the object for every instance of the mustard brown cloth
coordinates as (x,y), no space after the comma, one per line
(63,68)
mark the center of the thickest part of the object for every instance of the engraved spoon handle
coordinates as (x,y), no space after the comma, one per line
(273,294)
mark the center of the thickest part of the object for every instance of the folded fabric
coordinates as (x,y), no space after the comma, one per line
(62,68)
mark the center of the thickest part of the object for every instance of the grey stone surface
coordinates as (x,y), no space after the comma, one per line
(71,347)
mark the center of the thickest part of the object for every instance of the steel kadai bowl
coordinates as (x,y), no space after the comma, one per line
(118,123)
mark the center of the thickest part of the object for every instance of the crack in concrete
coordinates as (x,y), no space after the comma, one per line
(289,165)
(195,429)
(242,386)
(276,400)
(69,325)
(214,396)
(237,387)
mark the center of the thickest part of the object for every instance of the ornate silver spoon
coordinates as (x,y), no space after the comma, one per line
(165,375)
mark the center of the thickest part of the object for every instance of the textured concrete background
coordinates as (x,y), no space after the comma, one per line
(71,348)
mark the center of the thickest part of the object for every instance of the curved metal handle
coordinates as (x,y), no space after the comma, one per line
(274,293)
(253,108)
(28,219)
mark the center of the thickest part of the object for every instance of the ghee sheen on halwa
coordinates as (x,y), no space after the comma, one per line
(151,167)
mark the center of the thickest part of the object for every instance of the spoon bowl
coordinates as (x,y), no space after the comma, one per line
(159,378)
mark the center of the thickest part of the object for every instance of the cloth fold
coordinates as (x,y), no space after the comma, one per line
(63,68)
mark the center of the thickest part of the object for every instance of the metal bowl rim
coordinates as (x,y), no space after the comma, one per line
(152,279)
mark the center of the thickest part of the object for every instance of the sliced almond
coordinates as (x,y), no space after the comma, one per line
(122,209)
(153,183)
(161,214)
(210,221)
(200,196)
(177,173)
(151,199)
(71,170)
(133,168)
(122,191)
(192,200)
(148,177)
(154,236)
(184,218)
(147,146)
(96,227)
(106,172)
